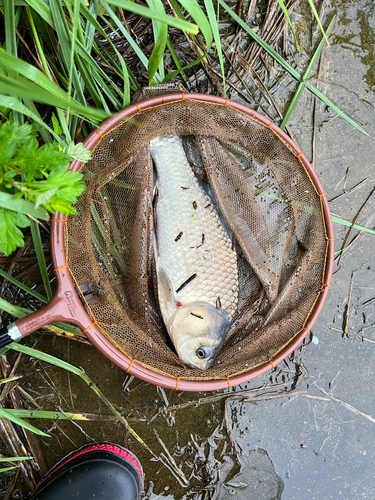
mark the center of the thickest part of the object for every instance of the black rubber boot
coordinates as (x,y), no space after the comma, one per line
(94,472)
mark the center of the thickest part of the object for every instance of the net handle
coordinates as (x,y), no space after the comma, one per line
(65,305)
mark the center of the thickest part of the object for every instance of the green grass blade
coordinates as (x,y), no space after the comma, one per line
(261,42)
(125,78)
(23,88)
(338,220)
(43,9)
(175,59)
(74,49)
(292,105)
(173,74)
(97,82)
(90,28)
(198,15)
(204,27)
(73,38)
(115,253)
(119,66)
(126,34)
(11,20)
(285,10)
(66,366)
(288,67)
(16,420)
(55,415)
(22,206)
(123,73)
(317,52)
(14,459)
(46,357)
(16,311)
(23,287)
(5,469)
(66,42)
(92,87)
(334,107)
(10,27)
(177,9)
(156,15)
(160,37)
(60,114)
(10,379)
(38,44)
(40,257)
(215,30)
(39,123)
(31,73)
(61,327)
(312,6)
(305,77)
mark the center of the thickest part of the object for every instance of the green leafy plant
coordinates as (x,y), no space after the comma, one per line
(33,181)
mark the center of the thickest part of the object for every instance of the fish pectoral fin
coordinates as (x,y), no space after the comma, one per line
(166,296)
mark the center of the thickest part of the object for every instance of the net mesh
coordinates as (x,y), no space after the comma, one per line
(267,200)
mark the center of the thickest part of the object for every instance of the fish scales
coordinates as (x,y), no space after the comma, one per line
(191,237)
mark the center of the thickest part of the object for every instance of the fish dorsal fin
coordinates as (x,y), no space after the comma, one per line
(165,291)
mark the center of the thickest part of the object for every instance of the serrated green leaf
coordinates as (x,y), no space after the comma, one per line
(15,104)
(12,136)
(56,125)
(59,205)
(79,152)
(11,236)
(44,197)
(35,162)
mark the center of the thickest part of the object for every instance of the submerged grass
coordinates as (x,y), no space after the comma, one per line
(11,460)
(76,371)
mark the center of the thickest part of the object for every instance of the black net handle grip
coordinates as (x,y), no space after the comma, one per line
(9,334)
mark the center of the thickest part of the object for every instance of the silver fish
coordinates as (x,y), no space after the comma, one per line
(196,264)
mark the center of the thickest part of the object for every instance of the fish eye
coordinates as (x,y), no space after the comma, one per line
(203,352)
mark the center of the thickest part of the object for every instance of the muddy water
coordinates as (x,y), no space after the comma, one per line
(321,439)
(313,442)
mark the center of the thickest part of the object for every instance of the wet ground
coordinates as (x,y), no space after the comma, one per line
(307,428)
